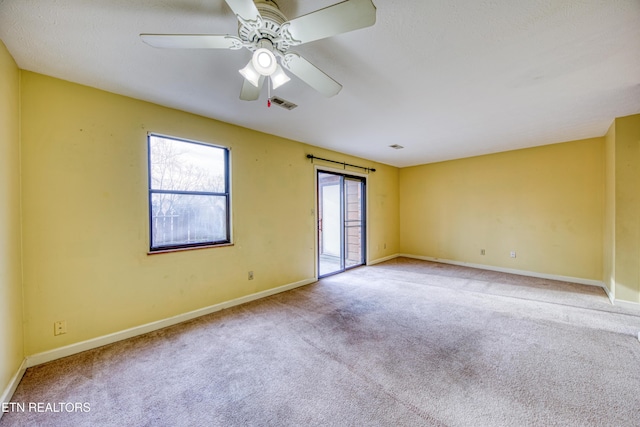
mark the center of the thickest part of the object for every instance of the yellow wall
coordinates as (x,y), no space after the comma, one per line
(545,203)
(627,208)
(383,229)
(86,222)
(609,241)
(11,332)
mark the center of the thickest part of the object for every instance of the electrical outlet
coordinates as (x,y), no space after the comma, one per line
(60,327)
(513,254)
(251,275)
(482,252)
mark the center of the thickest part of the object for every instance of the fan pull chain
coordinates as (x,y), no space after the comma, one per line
(269,93)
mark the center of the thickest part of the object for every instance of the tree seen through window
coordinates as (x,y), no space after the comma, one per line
(188,193)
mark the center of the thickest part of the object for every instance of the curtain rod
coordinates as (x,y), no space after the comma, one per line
(344,165)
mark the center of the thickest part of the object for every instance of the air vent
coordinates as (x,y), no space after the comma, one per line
(283,103)
(396,147)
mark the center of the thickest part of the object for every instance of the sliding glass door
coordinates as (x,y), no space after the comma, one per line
(341,222)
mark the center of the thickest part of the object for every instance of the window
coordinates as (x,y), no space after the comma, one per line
(188,194)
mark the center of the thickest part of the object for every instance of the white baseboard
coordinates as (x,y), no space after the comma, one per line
(578,280)
(68,350)
(608,292)
(379,260)
(7,394)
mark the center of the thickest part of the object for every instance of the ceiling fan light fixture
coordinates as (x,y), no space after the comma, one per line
(279,77)
(251,74)
(264,61)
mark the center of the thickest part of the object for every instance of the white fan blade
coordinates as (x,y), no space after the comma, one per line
(337,19)
(192,41)
(250,92)
(245,9)
(310,74)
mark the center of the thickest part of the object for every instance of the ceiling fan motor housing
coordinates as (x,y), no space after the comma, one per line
(268,26)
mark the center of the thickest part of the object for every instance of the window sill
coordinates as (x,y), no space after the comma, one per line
(193,248)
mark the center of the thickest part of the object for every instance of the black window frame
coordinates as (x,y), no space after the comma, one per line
(227,194)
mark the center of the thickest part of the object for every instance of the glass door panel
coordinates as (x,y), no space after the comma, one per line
(340,222)
(353,223)
(329,224)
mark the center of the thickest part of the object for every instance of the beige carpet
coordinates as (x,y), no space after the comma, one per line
(403,343)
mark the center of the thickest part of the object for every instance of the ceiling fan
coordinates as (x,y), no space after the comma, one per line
(264,30)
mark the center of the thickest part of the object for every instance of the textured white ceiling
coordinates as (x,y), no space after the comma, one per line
(444,79)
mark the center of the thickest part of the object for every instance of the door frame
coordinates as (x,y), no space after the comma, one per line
(365,177)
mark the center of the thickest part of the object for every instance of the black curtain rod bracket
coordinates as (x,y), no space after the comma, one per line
(344,165)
